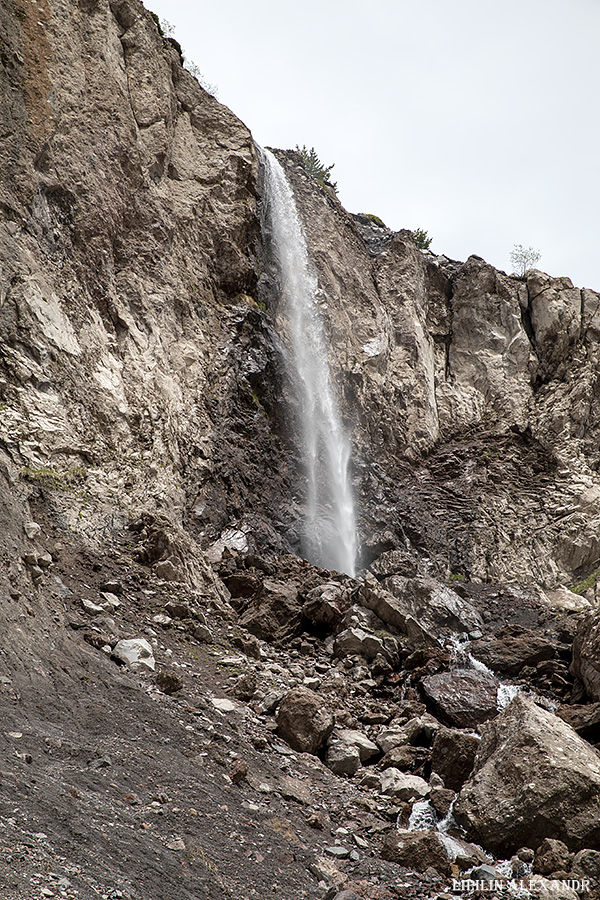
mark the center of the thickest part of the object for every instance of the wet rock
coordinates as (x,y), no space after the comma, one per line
(136,651)
(435,606)
(462,697)
(441,800)
(274,613)
(534,777)
(453,756)
(416,850)
(551,856)
(586,654)
(511,648)
(403,786)
(168,682)
(304,720)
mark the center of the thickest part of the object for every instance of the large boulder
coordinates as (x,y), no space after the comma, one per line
(586,654)
(325,605)
(274,613)
(511,648)
(394,612)
(462,697)
(534,778)
(434,606)
(304,721)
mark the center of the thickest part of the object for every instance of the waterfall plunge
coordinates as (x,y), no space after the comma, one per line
(330,529)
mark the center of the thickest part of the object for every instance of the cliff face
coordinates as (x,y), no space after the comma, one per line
(471,396)
(140,363)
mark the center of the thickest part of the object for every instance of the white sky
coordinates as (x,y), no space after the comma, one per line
(477,120)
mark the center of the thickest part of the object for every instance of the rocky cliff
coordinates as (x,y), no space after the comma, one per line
(148,469)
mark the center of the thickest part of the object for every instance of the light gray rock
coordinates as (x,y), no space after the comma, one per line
(403,786)
(366,748)
(534,777)
(357,641)
(135,651)
(433,605)
(341,757)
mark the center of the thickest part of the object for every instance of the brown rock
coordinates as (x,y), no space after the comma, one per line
(534,777)
(168,682)
(453,756)
(462,697)
(274,613)
(417,850)
(511,648)
(551,856)
(304,720)
(441,800)
(239,771)
(586,654)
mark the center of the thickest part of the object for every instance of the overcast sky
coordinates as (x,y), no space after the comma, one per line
(477,120)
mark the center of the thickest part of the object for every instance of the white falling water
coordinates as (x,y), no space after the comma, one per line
(330,529)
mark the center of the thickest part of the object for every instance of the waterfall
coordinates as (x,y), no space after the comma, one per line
(329,527)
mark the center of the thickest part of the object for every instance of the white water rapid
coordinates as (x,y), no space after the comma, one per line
(330,528)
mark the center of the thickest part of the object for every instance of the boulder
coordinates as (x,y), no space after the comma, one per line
(511,648)
(357,641)
(405,758)
(551,856)
(534,777)
(586,654)
(366,748)
(342,758)
(133,652)
(304,720)
(453,756)
(462,697)
(584,718)
(403,786)
(416,729)
(394,612)
(274,613)
(433,605)
(586,864)
(325,605)
(416,850)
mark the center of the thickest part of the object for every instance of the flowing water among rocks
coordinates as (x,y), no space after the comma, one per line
(330,528)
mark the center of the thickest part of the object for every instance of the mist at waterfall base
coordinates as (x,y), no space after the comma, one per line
(330,526)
